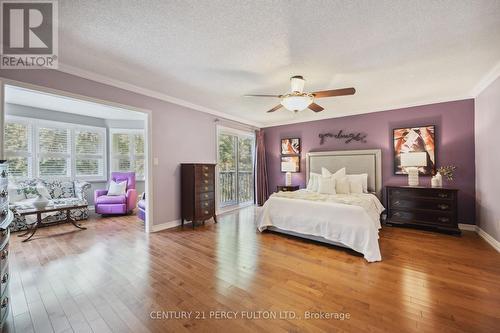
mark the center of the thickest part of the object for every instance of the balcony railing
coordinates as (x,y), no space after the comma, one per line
(230,186)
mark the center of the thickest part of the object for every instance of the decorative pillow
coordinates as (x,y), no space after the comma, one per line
(326,185)
(342,185)
(59,189)
(313,183)
(42,190)
(364,180)
(355,185)
(117,188)
(15,193)
(326,173)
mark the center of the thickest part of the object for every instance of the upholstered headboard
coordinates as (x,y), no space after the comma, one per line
(355,161)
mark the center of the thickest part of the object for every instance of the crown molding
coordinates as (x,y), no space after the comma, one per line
(362,112)
(486,80)
(150,93)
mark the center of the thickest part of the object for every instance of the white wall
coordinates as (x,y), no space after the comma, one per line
(487,135)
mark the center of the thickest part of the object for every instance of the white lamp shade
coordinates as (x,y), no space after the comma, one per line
(297,102)
(288,166)
(415,159)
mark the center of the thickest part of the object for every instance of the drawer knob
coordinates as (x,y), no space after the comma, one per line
(206,212)
(5,302)
(205,168)
(397,203)
(3,194)
(397,214)
(443,206)
(206,181)
(443,219)
(206,174)
(206,188)
(5,277)
(443,195)
(4,174)
(206,195)
(5,254)
(206,204)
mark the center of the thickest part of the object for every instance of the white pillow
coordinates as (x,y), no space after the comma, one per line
(355,185)
(363,177)
(342,186)
(42,190)
(117,188)
(326,185)
(313,183)
(15,193)
(326,173)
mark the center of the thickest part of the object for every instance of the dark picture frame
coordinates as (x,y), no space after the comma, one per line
(292,158)
(290,146)
(415,139)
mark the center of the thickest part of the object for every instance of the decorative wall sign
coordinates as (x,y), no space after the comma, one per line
(341,135)
(415,139)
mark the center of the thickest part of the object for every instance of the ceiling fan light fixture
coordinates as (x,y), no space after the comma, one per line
(297,102)
(297,82)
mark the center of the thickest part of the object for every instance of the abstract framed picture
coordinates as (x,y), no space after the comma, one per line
(290,146)
(285,161)
(415,139)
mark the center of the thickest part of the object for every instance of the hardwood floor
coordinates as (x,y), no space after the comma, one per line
(113,278)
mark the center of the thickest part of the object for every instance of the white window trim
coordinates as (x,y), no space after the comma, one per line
(71,156)
(131,155)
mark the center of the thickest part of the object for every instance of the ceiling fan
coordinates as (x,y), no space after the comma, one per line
(298,100)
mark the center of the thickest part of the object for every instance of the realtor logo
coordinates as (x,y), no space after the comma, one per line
(28,34)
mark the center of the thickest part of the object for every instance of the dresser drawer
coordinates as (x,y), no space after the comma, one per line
(428,218)
(201,173)
(204,182)
(204,205)
(204,213)
(418,203)
(205,196)
(202,188)
(423,193)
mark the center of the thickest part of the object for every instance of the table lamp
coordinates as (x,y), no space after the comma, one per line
(411,162)
(288,167)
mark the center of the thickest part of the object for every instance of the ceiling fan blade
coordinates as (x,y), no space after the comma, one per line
(277,107)
(334,92)
(315,107)
(277,96)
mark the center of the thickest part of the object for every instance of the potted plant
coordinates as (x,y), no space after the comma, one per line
(447,171)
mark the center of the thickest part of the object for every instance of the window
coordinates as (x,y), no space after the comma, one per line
(127,151)
(37,148)
(18,149)
(235,165)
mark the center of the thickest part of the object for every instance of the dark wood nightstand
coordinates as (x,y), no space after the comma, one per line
(421,206)
(285,188)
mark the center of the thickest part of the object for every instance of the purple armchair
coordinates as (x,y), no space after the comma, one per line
(117,204)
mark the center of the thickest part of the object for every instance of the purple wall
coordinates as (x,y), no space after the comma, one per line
(454,138)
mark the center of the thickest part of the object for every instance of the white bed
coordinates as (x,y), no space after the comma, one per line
(350,220)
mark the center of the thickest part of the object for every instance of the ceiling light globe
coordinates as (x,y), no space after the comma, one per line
(297,102)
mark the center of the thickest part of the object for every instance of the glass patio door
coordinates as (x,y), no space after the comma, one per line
(235,165)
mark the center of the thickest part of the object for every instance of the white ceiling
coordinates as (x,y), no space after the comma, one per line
(42,100)
(211,53)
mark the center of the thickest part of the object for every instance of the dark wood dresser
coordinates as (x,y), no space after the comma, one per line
(285,188)
(198,192)
(420,206)
(5,220)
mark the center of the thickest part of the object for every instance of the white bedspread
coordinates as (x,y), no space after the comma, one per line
(352,220)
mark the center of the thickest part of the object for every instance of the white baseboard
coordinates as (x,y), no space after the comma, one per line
(167,225)
(487,237)
(483,234)
(467,227)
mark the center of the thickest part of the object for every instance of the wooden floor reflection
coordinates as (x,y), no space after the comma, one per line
(115,278)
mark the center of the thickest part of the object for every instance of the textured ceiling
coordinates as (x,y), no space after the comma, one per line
(211,53)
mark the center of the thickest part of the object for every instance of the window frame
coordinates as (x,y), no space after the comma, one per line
(29,155)
(34,147)
(131,155)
